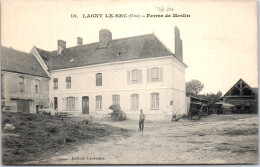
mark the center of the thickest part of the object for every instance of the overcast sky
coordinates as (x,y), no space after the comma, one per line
(219,38)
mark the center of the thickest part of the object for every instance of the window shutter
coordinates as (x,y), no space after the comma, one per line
(139,76)
(132,102)
(128,77)
(148,75)
(151,100)
(64,104)
(76,103)
(137,102)
(161,74)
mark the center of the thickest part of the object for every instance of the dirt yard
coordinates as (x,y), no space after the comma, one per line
(30,137)
(215,139)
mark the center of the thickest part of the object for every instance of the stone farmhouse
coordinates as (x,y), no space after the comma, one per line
(136,72)
(25,85)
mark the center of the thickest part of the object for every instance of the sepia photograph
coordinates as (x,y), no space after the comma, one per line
(129,82)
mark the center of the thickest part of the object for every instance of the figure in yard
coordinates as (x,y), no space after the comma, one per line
(141,120)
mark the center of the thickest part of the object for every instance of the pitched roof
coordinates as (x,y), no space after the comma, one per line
(139,47)
(254,90)
(20,62)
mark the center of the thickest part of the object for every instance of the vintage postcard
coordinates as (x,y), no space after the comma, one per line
(129,82)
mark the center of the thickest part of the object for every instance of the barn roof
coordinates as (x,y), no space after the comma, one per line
(254,90)
(132,48)
(20,62)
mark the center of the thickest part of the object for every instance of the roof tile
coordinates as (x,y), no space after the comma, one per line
(139,47)
(17,61)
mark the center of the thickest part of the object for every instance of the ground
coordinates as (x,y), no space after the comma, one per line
(214,139)
(30,137)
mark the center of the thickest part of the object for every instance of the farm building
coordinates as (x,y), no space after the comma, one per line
(243,96)
(25,85)
(136,72)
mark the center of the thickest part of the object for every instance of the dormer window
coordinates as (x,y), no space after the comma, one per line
(119,54)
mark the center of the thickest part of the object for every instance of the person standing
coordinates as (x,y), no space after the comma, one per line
(141,120)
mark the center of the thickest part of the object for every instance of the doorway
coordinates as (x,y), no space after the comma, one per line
(85,105)
(23,106)
(55,103)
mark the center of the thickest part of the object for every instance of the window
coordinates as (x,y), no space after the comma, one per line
(155,101)
(68,82)
(98,79)
(116,99)
(70,103)
(134,76)
(21,84)
(36,89)
(98,102)
(55,83)
(134,101)
(155,74)
(37,86)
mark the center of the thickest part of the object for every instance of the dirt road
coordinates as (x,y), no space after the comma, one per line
(217,139)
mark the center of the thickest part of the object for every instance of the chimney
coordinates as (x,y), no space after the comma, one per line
(61,46)
(79,41)
(104,37)
(178,43)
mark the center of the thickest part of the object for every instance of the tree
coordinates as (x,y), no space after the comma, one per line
(211,97)
(219,94)
(193,87)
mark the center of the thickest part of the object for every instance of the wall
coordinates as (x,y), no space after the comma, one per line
(11,91)
(179,90)
(114,81)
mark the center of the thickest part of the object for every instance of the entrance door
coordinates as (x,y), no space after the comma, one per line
(85,105)
(23,106)
(55,103)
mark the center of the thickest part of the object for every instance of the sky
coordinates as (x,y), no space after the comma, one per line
(219,38)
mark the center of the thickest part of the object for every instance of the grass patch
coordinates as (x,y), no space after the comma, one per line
(37,137)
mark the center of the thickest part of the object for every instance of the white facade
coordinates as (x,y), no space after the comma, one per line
(117,80)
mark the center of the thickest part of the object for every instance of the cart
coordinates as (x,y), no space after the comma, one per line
(195,110)
(117,114)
